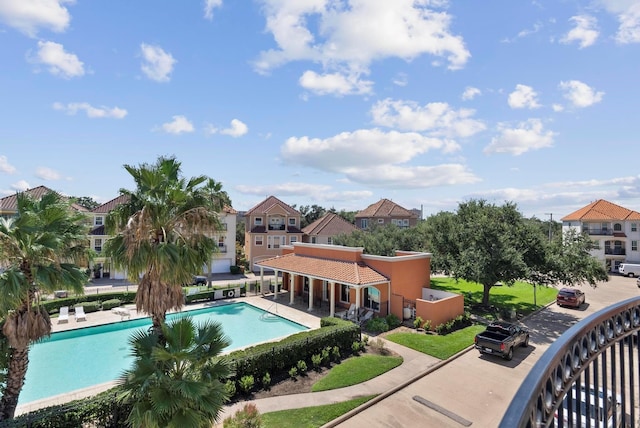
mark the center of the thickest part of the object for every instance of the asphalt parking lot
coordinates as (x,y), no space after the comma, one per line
(475,390)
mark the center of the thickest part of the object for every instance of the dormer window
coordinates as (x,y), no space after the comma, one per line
(292,221)
(99,220)
(258,221)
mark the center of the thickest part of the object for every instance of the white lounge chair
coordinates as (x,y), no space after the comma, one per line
(80,315)
(64,314)
(344,314)
(366,317)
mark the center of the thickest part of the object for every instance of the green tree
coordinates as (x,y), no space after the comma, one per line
(86,201)
(178,381)
(383,240)
(571,263)
(164,233)
(39,250)
(309,214)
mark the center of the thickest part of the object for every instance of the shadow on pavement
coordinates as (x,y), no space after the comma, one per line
(546,326)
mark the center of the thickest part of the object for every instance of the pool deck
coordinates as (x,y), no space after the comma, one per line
(297,313)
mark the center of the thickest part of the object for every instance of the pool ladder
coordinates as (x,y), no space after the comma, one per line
(268,314)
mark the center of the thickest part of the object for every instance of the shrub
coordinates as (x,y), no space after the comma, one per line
(379,345)
(110,304)
(365,340)
(247,417)
(356,347)
(316,360)
(230,388)
(335,352)
(89,306)
(266,380)
(326,356)
(440,328)
(427,325)
(235,270)
(302,367)
(293,372)
(246,383)
(377,325)
(417,323)
(393,321)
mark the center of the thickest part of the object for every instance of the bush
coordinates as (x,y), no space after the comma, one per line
(89,306)
(356,347)
(247,417)
(235,270)
(293,372)
(335,352)
(427,325)
(316,360)
(302,367)
(266,380)
(246,383)
(379,345)
(326,356)
(110,304)
(230,388)
(393,321)
(377,325)
(417,323)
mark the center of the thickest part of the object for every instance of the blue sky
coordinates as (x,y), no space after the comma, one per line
(331,102)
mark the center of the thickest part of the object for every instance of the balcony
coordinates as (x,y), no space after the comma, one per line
(601,353)
(276,227)
(599,231)
(615,251)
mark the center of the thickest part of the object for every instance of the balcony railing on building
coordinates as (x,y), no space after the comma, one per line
(597,231)
(615,251)
(589,376)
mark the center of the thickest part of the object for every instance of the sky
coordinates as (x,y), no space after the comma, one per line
(338,103)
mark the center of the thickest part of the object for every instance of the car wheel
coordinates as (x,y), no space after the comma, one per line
(509,355)
(526,342)
(630,274)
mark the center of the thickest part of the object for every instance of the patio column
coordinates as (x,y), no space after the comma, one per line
(261,280)
(357,302)
(332,299)
(291,287)
(310,293)
(275,288)
(389,298)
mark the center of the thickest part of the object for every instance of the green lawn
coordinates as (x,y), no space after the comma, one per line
(520,296)
(441,347)
(356,370)
(310,417)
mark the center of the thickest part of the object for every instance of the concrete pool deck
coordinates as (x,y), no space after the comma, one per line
(308,319)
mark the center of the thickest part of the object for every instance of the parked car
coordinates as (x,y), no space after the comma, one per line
(570,297)
(629,269)
(199,280)
(600,409)
(500,338)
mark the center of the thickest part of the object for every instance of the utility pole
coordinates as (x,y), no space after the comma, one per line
(550,223)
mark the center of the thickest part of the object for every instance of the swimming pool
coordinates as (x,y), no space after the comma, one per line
(85,357)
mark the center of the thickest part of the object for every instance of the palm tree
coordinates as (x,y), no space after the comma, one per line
(176,382)
(39,249)
(164,233)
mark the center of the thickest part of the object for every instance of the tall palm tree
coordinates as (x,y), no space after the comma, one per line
(176,382)
(39,249)
(164,233)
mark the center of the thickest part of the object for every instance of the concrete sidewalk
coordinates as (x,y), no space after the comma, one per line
(415,365)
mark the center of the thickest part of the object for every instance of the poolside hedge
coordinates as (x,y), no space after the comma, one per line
(53,306)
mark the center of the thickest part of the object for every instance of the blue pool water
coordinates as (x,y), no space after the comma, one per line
(81,358)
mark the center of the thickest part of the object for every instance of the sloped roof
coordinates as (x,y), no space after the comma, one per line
(385,208)
(10,203)
(602,210)
(340,271)
(107,207)
(330,224)
(266,205)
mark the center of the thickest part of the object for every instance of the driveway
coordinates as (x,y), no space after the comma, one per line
(475,390)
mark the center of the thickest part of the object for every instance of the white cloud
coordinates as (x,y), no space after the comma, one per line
(351,35)
(237,129)
(60,63)
(28,16)
(438,119)
(401,176)
(628,14)
(401,79)
(20,186)
(157,64)
(523,97)
(5,166)
(44,173)
(470,93)
(334,83)
(179,125)
(580,94)
(317,192)
(92,112)
(209,5)
(584,32)
(527,136)
(557,107)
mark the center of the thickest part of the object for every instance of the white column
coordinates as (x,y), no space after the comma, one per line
(389,298)
(291,287)
(275,287)
(332,299)
(261,280)
(357,302)
(310,294)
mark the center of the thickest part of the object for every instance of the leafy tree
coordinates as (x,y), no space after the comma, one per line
(571,262)
(310,213)
(164,233)
(383,240)
(177,382)
(39,249)
(86,201)
(350,216)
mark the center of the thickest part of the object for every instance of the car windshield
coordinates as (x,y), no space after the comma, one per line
(567,293)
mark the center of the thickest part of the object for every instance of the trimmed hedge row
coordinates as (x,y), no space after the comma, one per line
(53,306)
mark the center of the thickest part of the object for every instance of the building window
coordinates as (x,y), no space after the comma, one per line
(258,221)
(617,227)
(372,298)
(259,241)
(221,241)
(405,222)
(330,240)
(344,293)
(595,245)
(634,245)
(97,245)
(292,221)
(380,221)
(313,239)
(293,239)
(276,241)
(364,223)
(634,227)
(99,221)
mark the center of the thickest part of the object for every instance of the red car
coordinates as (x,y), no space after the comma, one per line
(570,297)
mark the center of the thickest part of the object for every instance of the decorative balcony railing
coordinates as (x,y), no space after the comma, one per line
(615,251)
(602,354)
(602,232)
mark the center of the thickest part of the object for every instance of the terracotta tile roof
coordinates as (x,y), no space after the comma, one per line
(270,202)
(385,208)
(107,207)
(229,210)
(602,210)
(10,203)
(330,224)
(343,272)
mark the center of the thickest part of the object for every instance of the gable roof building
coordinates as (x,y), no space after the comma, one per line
(613,229)
(385,212)
(324,229)
(9,204)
